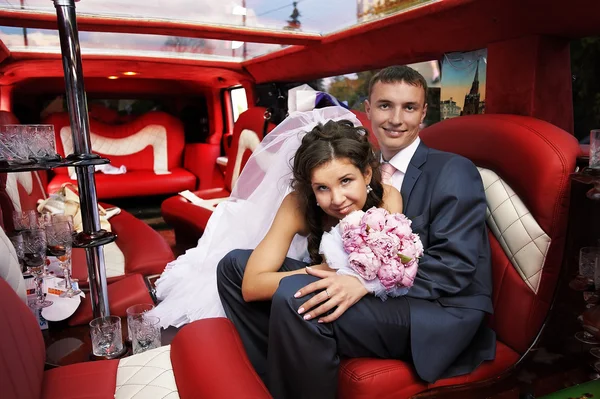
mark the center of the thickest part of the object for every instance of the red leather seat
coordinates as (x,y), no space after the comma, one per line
(202,363)
(188,220)
(535,159)
(151,147)
(366,122)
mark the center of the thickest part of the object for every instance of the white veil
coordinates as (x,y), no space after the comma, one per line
(187,287)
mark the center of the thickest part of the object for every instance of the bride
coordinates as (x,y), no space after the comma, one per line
(187,289)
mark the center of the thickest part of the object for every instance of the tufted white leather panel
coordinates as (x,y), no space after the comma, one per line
(10,270)
(147,375)
(151,135)
(521,237)
(25,179)
(248,141)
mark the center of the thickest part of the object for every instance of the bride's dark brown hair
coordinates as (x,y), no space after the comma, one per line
(333,140)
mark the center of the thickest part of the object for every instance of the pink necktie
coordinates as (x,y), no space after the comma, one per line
(387,171)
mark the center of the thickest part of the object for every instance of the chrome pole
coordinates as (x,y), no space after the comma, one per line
(80,129)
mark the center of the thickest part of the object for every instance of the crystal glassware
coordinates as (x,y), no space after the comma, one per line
(134,313)
(25,220)
(146,334)
(16,240)
(60,244)
(15,146)
(42,141)
(34,257)
(107,339)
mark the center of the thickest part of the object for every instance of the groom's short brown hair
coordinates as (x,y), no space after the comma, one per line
(399,73)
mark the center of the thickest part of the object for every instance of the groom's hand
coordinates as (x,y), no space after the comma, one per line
(337,291)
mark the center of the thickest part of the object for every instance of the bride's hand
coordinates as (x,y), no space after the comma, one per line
(337,291)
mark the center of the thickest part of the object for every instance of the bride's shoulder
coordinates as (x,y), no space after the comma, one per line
(392,199)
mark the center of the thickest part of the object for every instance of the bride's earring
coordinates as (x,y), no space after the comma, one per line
(369,189)
(318,204)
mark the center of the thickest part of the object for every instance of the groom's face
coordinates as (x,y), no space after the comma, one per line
(396,111)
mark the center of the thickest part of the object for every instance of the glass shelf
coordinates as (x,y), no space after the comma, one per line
(51,163)
(96,239)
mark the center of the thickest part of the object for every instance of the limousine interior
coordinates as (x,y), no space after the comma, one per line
(178,94)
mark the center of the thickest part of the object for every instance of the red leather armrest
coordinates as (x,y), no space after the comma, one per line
(201,160)
(209,361)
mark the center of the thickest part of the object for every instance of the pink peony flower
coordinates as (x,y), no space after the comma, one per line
(374,219)
(384,246)
(353,241)
(410,272)
(398,224)
(351,221)
(390,274)
(364,262)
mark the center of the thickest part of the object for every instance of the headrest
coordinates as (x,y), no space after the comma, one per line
(366,122)
(534,157)
(8,118)
(252,119)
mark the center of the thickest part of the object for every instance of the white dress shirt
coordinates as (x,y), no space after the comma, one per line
(400,161)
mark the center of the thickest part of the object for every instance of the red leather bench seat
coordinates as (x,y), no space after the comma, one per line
(363,378)
(151,148)
(136,183)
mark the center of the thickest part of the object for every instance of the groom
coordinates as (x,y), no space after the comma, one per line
(443,196)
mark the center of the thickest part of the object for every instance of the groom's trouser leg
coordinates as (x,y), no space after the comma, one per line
(304,356)
(251,319)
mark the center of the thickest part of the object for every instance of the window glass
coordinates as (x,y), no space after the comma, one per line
(239,102)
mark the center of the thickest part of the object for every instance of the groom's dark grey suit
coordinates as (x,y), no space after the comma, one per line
(443,196)
(439,323)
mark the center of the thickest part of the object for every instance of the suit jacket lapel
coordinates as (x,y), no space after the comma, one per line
(413,172)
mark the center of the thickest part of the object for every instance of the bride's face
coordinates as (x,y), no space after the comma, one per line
(340,187)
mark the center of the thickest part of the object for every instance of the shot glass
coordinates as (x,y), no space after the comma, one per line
(106,335)
(134,313)
(146,334)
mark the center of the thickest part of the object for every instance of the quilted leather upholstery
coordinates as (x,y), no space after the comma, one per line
(515,228)
(147,375)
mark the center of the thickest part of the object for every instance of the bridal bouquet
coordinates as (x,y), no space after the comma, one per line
(377,247)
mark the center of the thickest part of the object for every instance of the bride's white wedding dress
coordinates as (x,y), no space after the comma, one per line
(187,289)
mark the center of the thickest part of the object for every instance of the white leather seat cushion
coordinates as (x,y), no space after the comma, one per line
(147,375)
(10,270)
